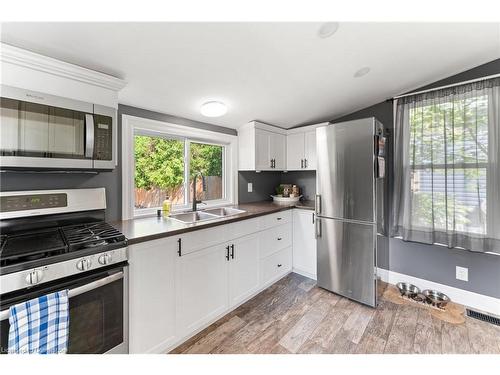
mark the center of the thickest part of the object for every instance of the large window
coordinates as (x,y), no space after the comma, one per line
(166,161)
(449,159)
(163,171)
(447,167)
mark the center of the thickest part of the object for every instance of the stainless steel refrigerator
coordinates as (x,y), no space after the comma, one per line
(349,206)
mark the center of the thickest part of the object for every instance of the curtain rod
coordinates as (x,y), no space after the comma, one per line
(446,86)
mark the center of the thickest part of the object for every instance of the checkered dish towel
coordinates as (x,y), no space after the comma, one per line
(40,325)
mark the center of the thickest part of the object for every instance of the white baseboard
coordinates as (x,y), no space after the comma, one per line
(470,299)
(304,273)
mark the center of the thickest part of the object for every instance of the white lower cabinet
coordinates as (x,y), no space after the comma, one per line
(174,296)
(243,269)
(152,325)
(276,238)
(202,288)
(212,280)
(304,243)
(275,266)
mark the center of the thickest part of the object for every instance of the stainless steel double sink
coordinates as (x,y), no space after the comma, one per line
(210,214)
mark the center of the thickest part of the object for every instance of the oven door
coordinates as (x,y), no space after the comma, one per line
(98,306)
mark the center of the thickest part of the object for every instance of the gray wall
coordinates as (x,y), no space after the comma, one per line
(112,180)
(264,184)
(10,181)
(305,180)
(430,262)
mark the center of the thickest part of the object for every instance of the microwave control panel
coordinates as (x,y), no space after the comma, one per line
(103,133)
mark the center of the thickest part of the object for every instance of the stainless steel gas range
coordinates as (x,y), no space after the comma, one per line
(58,239)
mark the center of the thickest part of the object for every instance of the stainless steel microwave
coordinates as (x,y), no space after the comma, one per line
(42,131)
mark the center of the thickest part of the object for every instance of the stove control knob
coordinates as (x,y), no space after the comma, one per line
(105,259)
(34,277)
(84,264)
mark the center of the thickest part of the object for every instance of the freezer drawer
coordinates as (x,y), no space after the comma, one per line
(346,259)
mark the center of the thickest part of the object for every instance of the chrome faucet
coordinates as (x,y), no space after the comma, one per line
(195,202)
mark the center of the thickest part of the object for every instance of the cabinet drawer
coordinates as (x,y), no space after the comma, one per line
(242,228)
(277,218)
(201,239)
(275,266)
(274,239)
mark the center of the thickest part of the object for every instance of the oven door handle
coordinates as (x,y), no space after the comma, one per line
(4,314)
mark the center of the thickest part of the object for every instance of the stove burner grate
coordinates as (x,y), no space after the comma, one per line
(28,246)
(91,235)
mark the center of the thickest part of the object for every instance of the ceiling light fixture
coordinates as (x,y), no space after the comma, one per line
(362,72)
(213,109)
(328,29)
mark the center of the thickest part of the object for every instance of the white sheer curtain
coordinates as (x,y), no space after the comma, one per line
(447,167)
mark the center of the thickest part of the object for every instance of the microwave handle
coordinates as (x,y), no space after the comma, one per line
(4,314)
(89,135)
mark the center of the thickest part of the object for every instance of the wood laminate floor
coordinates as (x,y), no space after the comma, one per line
(295,316)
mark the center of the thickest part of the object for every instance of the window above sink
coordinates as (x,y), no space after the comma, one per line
(163,171)
(160,161)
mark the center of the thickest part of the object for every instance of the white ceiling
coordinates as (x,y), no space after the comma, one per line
(279,73)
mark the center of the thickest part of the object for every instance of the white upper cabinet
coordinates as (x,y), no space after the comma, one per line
(301,148)
(261,147)
(33,72)
(310,150)
(277,150)
(295,146)
(262,150)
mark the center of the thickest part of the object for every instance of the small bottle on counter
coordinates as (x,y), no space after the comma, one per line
(167,204)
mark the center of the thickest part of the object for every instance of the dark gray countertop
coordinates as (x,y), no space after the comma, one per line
(152,227)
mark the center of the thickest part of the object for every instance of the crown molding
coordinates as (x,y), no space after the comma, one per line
(27,59)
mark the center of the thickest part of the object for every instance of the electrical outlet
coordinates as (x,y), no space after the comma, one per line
(462,273)
(250,187)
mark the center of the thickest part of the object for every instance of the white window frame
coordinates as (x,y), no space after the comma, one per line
(132,125)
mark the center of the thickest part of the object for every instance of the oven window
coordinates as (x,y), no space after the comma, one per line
(95,321)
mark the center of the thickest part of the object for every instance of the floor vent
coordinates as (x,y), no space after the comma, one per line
(483,317)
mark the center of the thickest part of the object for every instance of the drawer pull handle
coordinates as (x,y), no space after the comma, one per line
(279,265)
(279,238)
(278,218)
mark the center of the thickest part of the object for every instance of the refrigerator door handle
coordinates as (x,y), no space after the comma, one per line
(317,228)
(376,150)
(317,204)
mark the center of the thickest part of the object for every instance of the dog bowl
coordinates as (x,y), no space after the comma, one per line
(407,289)
(436,298)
